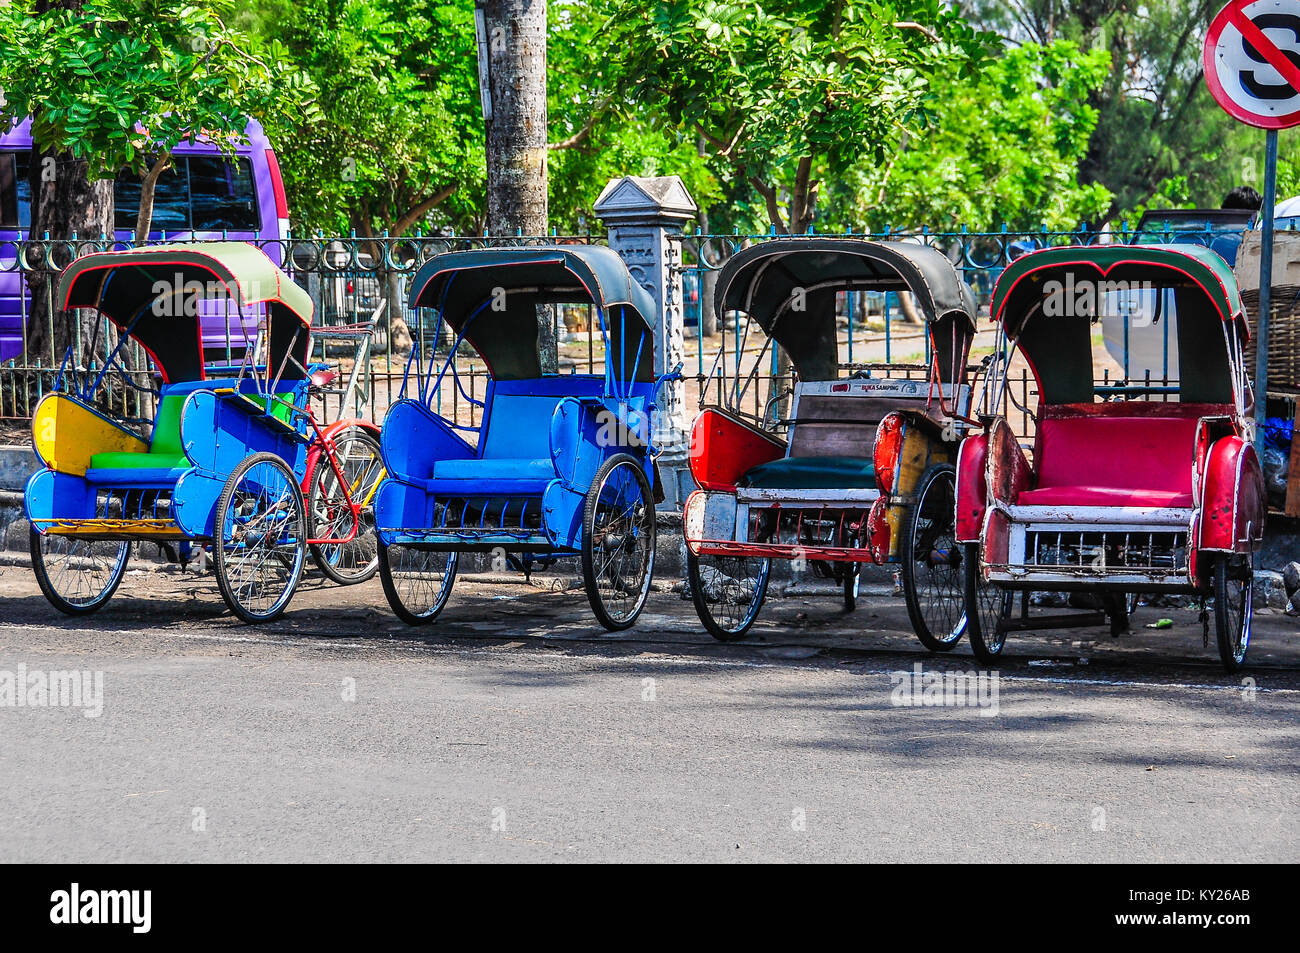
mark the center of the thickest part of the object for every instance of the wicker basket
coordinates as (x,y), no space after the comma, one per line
(1284,307)
(1283,337)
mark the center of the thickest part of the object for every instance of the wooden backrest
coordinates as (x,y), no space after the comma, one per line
(839,418)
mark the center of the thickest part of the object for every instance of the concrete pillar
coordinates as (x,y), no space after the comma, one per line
(644,216)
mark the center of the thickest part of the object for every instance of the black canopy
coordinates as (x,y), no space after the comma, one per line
(789,285)
(492,295)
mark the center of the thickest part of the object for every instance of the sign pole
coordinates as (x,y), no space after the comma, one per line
(1265,289)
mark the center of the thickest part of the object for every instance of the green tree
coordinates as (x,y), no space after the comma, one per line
(794,91)
(1159,136)
(597,130)
(117,84)
(1004,148)
(399,144)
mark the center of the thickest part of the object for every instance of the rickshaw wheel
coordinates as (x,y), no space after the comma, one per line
(261,544)
(417,582)
(727,591)
(851,579)
(986,606)
(618,542)
(933,586)
(358,455)
(77,576)
(1234,598)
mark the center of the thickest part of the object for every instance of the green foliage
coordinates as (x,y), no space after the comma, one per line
(793,90)
(604,133)
(1003,148)
(94,77)
(1157,125)
(399,144)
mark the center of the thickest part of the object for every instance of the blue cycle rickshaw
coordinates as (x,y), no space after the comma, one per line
(561,465)
(229,447)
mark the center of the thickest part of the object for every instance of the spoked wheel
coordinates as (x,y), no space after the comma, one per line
(417,582)
(77,575)
(727,591)
(618,542)
(932,563)
(1234,598)
(261,545)
(987,606)
(357,452)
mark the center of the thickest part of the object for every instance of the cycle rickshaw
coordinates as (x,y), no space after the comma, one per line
(230,447)
(865,470)
(1134,486)
(558,466)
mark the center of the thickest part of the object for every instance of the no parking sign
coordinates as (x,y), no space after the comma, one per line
(1252,61)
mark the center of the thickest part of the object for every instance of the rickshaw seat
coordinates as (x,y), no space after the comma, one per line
(1107,458)
(542,471)
(813,473)
(165,451)
(1103,496)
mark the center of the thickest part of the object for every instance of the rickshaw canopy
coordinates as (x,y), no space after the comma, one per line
(788,287)
(1037,302)
(490,296)
(152,293)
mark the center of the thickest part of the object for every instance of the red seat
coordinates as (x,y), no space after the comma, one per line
(1114,455)
(1102,496)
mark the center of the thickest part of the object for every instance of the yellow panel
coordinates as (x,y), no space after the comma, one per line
(66,434)
(894,516)
(113,528)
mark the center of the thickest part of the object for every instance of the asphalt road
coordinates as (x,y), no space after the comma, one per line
(514,730)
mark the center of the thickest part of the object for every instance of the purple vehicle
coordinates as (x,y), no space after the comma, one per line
(203,196)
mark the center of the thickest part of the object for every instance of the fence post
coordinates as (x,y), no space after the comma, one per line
(645,216)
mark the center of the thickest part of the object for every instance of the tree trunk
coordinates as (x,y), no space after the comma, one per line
(515,118)
(148,189)
(64,203)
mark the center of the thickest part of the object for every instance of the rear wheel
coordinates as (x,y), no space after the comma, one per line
(987,607)
(727,591)
(76,575)
(261,545)
(618,542)
(932,563)
(851,580)
(417,582)
(1234,591)
(357,452)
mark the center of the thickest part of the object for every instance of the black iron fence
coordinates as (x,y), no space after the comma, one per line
(358,282)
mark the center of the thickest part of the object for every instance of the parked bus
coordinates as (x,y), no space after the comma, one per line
(203,195)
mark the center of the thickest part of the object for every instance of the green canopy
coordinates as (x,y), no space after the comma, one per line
(1020,287)
(147,293)
(1037,297)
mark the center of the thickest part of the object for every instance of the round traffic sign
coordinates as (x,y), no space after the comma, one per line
(1252,61)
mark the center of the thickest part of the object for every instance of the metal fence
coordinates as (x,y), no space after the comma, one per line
(354,281)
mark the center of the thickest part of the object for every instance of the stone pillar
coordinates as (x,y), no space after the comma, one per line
(644,216)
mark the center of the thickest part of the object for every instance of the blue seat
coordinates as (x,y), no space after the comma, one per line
(510,469)
(514,454)
(145,477)
(472,477)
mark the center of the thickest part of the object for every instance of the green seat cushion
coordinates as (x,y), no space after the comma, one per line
(813,473)
(139,461)
(167,426)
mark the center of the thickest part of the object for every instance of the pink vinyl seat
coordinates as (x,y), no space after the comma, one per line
(1106,459)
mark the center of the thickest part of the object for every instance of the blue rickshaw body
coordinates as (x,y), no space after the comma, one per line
(559,465)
